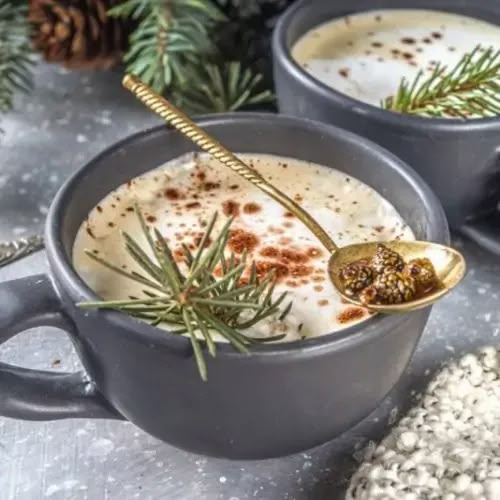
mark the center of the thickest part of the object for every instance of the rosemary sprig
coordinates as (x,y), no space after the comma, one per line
(471,89)
(196,302)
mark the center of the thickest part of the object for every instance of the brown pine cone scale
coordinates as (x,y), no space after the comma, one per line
(386,260)
(422,271)
(356,276)
(387,279)
(389,288)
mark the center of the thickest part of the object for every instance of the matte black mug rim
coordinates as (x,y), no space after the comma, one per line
(62,267)
(282,50)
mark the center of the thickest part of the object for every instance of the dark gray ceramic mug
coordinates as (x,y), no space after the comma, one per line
(276,400)
(459,160)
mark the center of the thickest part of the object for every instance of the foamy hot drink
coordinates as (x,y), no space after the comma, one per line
(366,55)
(181,196)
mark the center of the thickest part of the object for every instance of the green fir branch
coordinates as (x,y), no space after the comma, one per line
(224,87)
(207,55)
(246,35)
(170,38)
(471,89)
(196,302)
(15,52)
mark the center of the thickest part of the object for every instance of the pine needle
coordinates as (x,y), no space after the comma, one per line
(471,89)
(15,52)
(170,38)
(196,302)
(191,49)
(223,87)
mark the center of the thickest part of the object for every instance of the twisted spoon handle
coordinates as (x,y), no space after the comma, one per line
(14,250)
(189,129)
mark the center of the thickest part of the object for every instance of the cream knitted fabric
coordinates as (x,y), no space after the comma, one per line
(448,447)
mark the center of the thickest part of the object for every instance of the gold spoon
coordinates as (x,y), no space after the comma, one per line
(448,263)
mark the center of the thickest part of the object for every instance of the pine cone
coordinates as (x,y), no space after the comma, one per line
(389,288)
(423,272)
(386,260)
(355,277)
(77,33)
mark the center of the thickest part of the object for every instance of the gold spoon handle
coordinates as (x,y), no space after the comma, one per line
(189,129)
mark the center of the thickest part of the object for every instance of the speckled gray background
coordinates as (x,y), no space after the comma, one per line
(68,119)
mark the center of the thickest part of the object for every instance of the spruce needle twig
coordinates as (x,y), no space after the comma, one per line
(471,89)
(196,302)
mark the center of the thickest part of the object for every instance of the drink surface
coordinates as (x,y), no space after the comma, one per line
(366,55)
(179,198)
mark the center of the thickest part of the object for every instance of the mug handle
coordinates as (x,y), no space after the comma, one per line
(42,395)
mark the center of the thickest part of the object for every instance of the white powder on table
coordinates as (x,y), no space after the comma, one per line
(446,448)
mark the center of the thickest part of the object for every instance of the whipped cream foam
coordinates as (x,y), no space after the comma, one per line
(366,55)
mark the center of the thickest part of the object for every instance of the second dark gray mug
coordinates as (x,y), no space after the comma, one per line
(459,160)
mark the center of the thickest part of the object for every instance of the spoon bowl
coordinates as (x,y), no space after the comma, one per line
(448,263)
